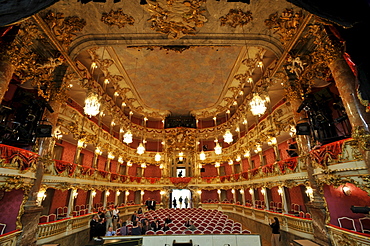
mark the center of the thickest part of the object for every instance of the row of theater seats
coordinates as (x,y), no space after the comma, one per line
(206,221)
(349,223)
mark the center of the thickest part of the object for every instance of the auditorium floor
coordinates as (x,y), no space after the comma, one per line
(266,242)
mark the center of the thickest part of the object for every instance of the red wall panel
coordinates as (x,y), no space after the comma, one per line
(152,171)
(209,171)
(209,194)
(60,199)
(88,158)
(339,204)
(9,207)
(69,151)
(296,197)
(81,197)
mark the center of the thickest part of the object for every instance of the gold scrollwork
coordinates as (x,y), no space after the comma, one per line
(117,18)
(236,17)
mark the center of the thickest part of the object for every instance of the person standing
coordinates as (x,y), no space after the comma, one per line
(186,201)
(108,218)
(152,204)
(180,201)
(115,213)
(275,226)
(174,203)
(147,204)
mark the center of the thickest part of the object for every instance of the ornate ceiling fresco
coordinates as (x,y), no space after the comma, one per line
(176,57)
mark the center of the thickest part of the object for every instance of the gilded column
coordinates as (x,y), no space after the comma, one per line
(317,206)
(346,84)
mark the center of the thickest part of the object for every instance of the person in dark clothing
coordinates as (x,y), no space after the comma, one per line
(94,225)
(123,229)
(275,226)
(174,203)
(136,229)
(166,227)
(157,226)
(167,220)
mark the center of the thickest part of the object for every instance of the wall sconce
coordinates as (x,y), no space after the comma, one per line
(247,154)
(40,197)
(111,156)
(81,144)
(218,191)
(200,166)
(199,192)
(251,191)
(238,158)
(118,193)
(93,193)
(263,190)
(217,164)
(230,162)
(120,160)
(75,194)
(233,191)
(98,151)
(280,191)
(142,192)
(127,193)
(162,192)
(143,165)
(241,191)
(161,166)
(309,192)
(129,164)
(107,193)
(346,190)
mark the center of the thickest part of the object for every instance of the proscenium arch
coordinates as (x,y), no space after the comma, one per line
(85,42)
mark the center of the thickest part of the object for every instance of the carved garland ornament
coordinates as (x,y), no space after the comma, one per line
(117,18)
(236,17)
(176,18)
(285,25)
(64,28)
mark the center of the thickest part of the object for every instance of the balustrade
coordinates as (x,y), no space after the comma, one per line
(10,238)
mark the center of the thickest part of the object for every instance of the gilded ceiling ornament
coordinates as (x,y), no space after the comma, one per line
(176,18)
(362,136)
(236,17)
(117,18)
(286,24)
(64,28)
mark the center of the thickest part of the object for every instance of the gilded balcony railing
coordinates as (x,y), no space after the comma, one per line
(340,237)
(289,223)
(53,228)
(10,239)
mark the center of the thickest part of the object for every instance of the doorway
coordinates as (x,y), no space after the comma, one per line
(183,194)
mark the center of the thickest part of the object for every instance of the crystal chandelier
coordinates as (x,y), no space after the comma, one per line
(228,137)
(218,149)
(257,104)
(157,157)
(140,149)
(92,104)
(127,137)
(202,156)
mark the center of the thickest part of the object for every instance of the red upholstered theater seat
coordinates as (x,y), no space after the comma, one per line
(44,219)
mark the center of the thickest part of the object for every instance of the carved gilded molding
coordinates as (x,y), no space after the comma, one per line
(236,18)
(64,28)
(285,24)
(176,18)
(117,18)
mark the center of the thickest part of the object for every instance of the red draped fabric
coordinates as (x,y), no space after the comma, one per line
(184,180)
(113,176)
(153,180)
(268,168)
(236,176)
(327,151)
(24,158)
(290,163)
(254,171)
(245,175)
(61,166)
